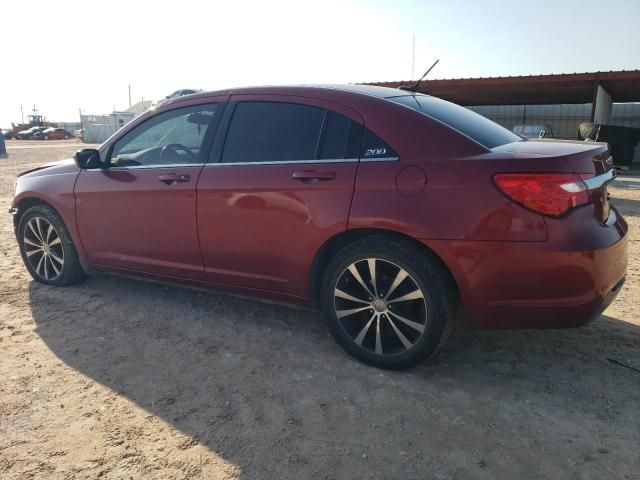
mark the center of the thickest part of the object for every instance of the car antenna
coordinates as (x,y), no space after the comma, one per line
(414,87)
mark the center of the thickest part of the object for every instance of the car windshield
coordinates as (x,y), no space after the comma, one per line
(465,121)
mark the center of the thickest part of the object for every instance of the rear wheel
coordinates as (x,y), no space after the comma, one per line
(47,249)
(388,303)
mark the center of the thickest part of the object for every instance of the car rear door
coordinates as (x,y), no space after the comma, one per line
(279,184)
(140,213)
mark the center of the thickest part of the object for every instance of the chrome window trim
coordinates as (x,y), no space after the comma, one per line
(283,162)
(600,180)
(146,167)
(381,159)
(293,162)
(231,164)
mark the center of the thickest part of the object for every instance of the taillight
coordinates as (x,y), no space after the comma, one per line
(547,193)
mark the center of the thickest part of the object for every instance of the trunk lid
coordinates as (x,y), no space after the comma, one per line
(583,157)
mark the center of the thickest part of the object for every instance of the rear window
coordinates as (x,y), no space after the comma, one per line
(469,123)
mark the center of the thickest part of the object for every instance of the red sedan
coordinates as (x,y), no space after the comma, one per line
(52,133)
(386,209)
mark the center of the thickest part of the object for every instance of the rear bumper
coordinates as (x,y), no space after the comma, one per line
(564,282)
(568,312)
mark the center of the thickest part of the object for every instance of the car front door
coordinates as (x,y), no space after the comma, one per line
(279,184)
(139,214)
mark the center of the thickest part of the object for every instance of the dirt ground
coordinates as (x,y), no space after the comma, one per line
(120,378)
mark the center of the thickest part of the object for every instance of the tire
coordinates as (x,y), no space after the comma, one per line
(57,262)
(420,308)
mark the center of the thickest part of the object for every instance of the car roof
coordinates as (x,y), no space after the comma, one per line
(323,90)
(362,103)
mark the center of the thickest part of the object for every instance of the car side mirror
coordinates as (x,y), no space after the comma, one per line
(88,158)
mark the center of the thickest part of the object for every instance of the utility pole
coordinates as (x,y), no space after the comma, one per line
(413,58)
(21,114)
(129,95)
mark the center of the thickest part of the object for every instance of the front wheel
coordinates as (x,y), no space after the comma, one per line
(387,302)
(47,249)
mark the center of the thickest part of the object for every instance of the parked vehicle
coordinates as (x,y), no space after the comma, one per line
(29,133)
(623,141)
(7,133)
(182,92)
(388,210)
(175,94)
(534,130)
(52,134)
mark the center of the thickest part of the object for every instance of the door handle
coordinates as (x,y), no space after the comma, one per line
(311,176)
(172,178)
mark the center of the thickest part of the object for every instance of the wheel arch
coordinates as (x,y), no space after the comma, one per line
(26,201)
(78,270)
(25,204)
(340,240)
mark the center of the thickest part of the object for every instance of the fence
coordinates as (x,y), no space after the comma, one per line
(563,119)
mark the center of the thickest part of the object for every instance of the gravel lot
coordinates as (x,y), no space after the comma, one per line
(120,378)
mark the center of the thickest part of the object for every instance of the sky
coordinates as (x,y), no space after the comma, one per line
(67,54)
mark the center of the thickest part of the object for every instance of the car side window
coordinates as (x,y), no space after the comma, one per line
(373,147)
(341,138)
(272,132)
(171,138)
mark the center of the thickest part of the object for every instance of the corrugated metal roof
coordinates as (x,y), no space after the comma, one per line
(622,85)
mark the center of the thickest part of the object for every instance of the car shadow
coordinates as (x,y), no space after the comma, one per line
(627,207)
(267,389)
